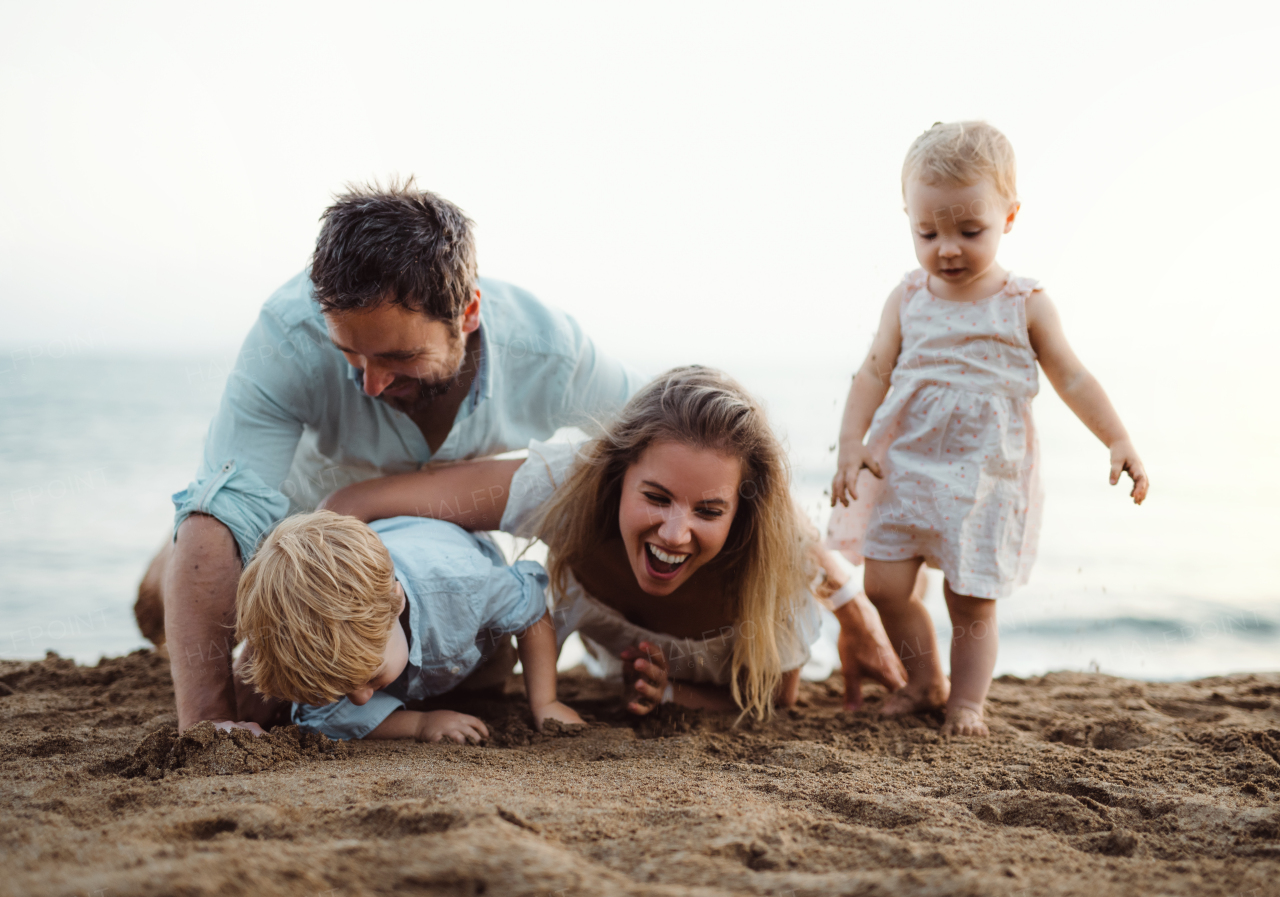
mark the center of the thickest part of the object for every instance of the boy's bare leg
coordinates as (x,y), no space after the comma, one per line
(974,643)
(199,619)
(896,589)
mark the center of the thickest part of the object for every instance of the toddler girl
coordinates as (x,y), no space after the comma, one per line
(951,456)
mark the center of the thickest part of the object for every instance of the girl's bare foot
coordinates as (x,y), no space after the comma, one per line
(965,720)
(917,698)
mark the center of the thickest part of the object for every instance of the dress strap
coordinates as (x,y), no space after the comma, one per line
(916,280)
(1020,286)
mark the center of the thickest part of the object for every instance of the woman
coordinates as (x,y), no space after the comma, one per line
(674,546)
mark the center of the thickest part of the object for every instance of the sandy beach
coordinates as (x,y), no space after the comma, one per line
(1090,785)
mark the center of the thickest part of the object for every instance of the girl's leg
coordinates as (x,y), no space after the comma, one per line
(896,588)
(974,641)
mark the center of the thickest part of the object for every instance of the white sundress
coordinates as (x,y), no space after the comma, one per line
(956,445)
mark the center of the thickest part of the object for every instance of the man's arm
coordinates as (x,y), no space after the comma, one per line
(221,516)
(199,616)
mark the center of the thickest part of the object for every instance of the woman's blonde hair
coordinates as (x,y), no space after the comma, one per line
(316,606)
(764,563)
(961,153)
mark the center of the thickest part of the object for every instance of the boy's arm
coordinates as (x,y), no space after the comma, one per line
(436,725)
(537,646)
(870,386)
(1081,391)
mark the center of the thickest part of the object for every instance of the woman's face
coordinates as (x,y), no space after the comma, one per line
(677,506)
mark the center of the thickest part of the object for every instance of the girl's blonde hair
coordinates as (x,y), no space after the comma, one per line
(764,562)
(961,153)
(316,606)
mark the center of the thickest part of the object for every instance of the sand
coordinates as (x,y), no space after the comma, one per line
(1089,785)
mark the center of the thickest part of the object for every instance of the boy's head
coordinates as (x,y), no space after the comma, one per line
(960,154)
(959,185)
(318,607)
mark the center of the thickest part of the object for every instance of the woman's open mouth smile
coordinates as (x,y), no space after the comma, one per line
(662,564)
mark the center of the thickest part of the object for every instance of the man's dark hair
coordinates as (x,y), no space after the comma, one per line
(394,244)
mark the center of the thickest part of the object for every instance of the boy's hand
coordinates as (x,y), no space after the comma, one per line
(644,670)
(438,725)
(1125,458)
(558,712)
(848,466)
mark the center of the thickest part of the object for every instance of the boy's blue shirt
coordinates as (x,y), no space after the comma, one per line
(462,599)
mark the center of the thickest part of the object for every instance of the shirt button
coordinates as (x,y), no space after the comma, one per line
(454,670)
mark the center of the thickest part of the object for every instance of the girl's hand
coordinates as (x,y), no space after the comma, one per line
(849,465)
(556,711)
(644,670)
(1125,458)
(438,725)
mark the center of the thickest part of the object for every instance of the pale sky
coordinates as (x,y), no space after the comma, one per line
(695,182)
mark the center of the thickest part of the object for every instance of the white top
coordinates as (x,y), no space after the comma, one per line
(605,631)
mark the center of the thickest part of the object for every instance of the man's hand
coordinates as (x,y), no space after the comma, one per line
(865,650)
(556,711)
(849,465)
(1124,458)
(644,671)
(227,725)
(438,725)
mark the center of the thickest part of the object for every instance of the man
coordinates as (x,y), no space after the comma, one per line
(389,353)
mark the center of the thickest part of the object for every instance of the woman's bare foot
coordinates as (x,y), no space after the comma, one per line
(965,720)
(915,698)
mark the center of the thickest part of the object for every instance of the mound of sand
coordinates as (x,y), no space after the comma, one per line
(1090,785)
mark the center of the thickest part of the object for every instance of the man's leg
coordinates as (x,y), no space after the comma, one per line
(149,608)
(199,619)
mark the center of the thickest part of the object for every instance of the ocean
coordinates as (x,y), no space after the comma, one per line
(93,445)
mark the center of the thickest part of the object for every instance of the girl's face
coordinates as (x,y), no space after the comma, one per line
(677,506)
(957,230)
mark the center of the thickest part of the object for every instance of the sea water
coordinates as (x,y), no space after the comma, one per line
(92,447)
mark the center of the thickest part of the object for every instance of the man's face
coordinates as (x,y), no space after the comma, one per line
(408,359)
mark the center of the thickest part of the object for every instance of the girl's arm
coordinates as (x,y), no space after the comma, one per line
(537,647)
(472,494)
(435,725)
(870,386)
(1081,392)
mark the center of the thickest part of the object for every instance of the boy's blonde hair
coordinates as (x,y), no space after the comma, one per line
(316,606)
(960,154)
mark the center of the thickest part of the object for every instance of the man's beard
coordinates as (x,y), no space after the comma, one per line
(426,391)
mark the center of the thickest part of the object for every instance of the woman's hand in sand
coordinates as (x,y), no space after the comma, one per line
(850,463)
(438,725)
(227,725)
(1124,458)
(559,712)
(644,670)
(865,650)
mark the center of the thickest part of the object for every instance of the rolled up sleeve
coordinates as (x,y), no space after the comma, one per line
(344,720)
(516,597)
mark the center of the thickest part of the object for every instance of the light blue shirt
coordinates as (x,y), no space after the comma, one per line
(463,600)
(295,424)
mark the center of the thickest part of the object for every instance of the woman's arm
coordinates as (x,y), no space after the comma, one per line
(472,494)
(870,386)
(1081,392)
(645,674)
